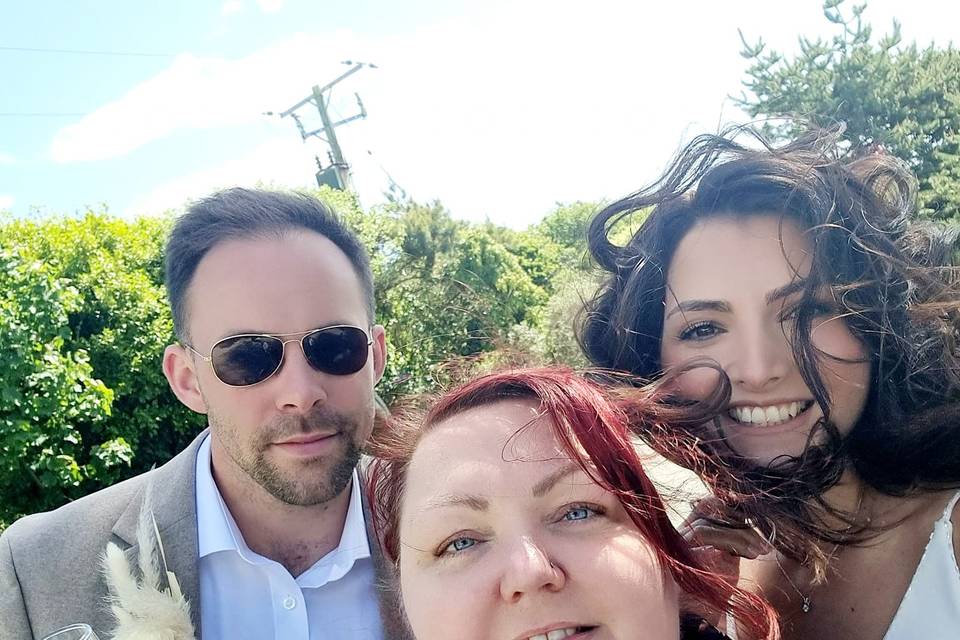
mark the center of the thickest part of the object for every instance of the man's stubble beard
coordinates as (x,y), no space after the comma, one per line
(315,482)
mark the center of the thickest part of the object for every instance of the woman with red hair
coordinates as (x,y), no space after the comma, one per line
(517,507)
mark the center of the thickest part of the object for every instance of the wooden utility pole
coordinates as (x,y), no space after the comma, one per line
(337,174)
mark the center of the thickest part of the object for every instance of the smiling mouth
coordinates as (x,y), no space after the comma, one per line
(559,634)
(770,415)
(309,439)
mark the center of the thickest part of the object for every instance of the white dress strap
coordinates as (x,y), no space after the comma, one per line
(948,511)
(930,608)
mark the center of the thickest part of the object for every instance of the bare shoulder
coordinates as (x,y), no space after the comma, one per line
(935,508)
(923,511)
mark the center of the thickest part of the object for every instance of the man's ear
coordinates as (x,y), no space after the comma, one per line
(379,336)
(179,369)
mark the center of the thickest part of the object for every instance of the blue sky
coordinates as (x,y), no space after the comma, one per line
(498,109)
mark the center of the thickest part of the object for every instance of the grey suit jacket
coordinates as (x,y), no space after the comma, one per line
(50,562)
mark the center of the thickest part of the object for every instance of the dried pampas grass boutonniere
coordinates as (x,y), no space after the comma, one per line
(142,607)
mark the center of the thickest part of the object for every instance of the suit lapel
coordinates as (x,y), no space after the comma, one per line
(173,493)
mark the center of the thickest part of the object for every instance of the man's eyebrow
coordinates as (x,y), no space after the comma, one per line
(700,305)
(544,486)
(458,500)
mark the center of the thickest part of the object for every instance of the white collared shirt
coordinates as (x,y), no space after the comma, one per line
(245,595)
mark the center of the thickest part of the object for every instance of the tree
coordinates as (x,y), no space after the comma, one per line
(567,224)
(84,321)
(893,98)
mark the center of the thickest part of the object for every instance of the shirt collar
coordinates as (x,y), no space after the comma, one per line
(217,531)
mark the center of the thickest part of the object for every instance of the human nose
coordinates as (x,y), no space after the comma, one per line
(761,359)
(528,570)
(299,386)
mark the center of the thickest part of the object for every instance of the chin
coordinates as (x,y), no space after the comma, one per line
(774,447)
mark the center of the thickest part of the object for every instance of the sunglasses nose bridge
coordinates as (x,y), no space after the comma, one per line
(283,352)
(284,343)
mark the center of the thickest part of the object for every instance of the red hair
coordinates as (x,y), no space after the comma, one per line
(595,431)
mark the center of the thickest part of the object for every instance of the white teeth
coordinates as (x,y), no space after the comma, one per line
(556,634)
(769,415)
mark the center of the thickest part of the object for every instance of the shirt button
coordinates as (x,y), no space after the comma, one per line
(289,603)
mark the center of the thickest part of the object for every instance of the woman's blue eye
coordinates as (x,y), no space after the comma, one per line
(578,513)
(460,544)
(700,331)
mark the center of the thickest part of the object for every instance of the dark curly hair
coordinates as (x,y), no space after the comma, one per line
(890,275)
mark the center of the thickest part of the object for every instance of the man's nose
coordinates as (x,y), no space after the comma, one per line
(298,386)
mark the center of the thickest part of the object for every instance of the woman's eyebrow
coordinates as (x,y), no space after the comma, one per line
(458,500)
(785,291)
(700,305)
(543,487)
(775,295)
(477,503)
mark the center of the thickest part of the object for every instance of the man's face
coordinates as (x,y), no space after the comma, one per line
(298,434)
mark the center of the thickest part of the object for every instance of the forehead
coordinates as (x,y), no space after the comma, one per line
(273,284)
(504,441)
(729,252)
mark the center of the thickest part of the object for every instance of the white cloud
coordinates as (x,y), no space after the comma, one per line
(500,112)
(270,6)
(231,7)
(282,162)
(198,93)
(7,160)
(490,113)
(6,201)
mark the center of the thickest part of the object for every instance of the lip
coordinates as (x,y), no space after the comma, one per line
(313,444)
(767,403)
(560,625)
(801,420)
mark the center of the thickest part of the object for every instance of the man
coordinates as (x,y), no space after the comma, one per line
(262,519)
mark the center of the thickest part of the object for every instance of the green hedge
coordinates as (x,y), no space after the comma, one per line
(83,319)
(84,322)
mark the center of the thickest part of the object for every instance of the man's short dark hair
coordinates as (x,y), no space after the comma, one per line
(238,213)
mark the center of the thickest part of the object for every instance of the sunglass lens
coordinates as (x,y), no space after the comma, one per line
(246,360)
(337,350)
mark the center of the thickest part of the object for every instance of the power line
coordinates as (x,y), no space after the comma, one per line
(337,175)
(88,52)
(40,115)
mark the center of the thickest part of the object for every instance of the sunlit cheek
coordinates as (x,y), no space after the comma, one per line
(434,592)
(424,596)
(834,339)
(631,557)
(695,384)
(629,568)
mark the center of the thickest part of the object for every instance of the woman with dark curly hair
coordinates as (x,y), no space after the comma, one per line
(517,507)
(793,282)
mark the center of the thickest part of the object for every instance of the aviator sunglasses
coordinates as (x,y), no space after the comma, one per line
(250,358)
